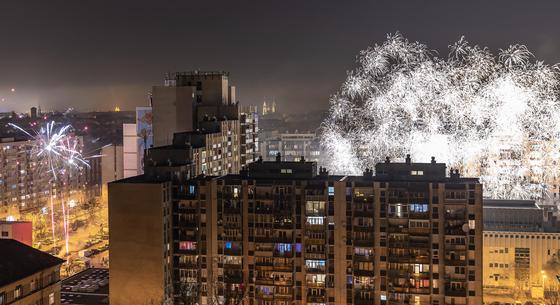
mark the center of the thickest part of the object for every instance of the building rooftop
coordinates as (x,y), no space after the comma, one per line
(8,222)
(511,204)
(18,261)
(90,286)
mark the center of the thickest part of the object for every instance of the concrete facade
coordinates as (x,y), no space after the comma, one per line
(140,241)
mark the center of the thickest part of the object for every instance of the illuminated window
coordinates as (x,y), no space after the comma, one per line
(228,244)
(315,207)
(286,171)
(283,247)
(314,220)
(187,245)
(418,207)
(417,173)
(331,190)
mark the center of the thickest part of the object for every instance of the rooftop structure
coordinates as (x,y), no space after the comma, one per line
(89,287)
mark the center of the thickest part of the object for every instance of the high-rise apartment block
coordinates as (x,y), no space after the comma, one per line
(282,233)
(199,110)
(26,183)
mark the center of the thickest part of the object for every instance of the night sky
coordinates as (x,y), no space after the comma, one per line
(92,55)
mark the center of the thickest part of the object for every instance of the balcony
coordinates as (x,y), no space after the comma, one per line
(419,215)
(455,292)
(264,281)
(363,242)
(450,246)
(283,267)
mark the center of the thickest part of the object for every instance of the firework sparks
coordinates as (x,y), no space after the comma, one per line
(59,151)
(57,147)
(493,117)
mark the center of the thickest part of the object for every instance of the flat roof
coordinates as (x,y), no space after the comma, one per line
(511,204)
(90,286)
(18,261)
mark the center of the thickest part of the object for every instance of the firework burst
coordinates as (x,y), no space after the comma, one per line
(59,154)
(496,117)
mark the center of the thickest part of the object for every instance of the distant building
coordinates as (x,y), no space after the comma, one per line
(187,98)
(33,112)
(521,251)
(268,109)
(111,163)
(291,146)
(25,185)
(249,132)
(21,231)
(131,154)
(27,275)
(288,233)
(201,108)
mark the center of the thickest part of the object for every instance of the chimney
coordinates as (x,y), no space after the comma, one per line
(433,160)
(368,173)
(407,159)
(278,157)
(387,159)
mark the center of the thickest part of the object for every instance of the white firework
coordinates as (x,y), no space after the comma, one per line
(492,117)
(57,148)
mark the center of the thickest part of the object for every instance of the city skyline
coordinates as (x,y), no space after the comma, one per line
(95,56)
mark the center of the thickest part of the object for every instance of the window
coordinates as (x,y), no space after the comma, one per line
(286,171)
(4,233)
(314,220)
(228,244)
(18,292)
(418,207)
(417,173)
(315,207)
(3,300)
(314,264)
(51,298)
(283,247)
(187,245)
(331,190)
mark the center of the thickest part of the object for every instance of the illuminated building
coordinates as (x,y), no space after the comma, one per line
(269,109)
(27,275)
(249,132)
(521,251)
(285,233)
(292,146)
(25,183)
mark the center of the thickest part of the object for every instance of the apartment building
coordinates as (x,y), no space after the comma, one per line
(25,181)
(521,252)
(201,107)
(291,146)
(282,233)
(27,275)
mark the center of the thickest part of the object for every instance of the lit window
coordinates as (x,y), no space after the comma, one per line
(417,173)
(187,245)
(228,244)
(331,190)
(283,247)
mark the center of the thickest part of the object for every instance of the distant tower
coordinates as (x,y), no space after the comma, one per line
(117,108)
(273,109)
(33,112)
(265,108)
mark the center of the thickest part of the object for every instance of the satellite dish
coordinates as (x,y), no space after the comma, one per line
(465,227)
